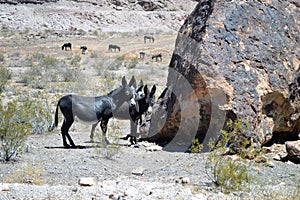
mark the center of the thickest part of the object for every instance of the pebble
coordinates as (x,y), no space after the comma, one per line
(277,157)
(87,181)
(138,171)
(131,192)
(154,148)
(185,180)
(4,188)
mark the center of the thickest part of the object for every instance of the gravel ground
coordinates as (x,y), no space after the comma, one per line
(132,173)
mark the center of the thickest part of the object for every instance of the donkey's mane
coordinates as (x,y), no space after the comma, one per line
(114,91)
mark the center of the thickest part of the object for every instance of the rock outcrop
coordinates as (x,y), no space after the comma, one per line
(233,59)
(91,15)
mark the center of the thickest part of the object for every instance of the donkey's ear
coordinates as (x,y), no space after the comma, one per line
(124,82)
(153,89)
(140,88)
(132,82)
(146,91)
(141,83)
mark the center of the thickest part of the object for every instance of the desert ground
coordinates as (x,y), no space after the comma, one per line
(30,48)
(46,170)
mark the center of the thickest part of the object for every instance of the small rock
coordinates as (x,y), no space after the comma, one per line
(270,164)
(89,181)
(139,171)
(131,192)
(4,188)
(293,150)
(260,159)
(185,180)
(154,148)
(277,157)
(74,189)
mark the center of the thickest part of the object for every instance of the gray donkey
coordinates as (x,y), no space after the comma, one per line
(92,109)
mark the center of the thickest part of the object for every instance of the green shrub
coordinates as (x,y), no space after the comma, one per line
(71,75)
(43,70)
(94,55)
(13,130)
(234,137)
(75,61)
(132,63)
(226,173)
(5,75)
(39,112)
(18,120)
(1,57)
(196,146)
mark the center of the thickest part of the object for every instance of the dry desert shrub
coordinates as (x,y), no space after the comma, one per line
(5,75)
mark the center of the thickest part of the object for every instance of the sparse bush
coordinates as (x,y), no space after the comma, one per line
(70,75)
(18,120)
(81,32)
(95,33)
(226,173)
(13,130)
(75,61)
(112,149)
(39,112)
(5,75)
(45,69)
(196,146)
(234,137)
(132,63)
(94,55)
(1,57)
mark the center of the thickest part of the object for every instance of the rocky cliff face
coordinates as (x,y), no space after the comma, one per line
(147,5)
(90,15)
(233,59)
(14,2)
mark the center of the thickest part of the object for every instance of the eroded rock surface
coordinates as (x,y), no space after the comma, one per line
(242,60)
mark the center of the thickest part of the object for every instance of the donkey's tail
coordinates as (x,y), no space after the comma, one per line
(56,116)
(55,119)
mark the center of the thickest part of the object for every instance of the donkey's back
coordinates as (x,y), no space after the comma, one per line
(87,109)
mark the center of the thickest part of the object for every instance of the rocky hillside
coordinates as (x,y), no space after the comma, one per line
(90,15)
(233,59)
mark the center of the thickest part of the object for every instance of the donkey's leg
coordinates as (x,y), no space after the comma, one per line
(103,126)
(133,132)
(65,132)
(92,131)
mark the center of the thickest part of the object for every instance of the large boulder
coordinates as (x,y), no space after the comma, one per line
(232,59)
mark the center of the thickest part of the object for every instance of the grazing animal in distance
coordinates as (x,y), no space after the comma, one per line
(83,49)
(142,54)
(112,47)
(156,56)
(91,109)
(66,46)
(147,37)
